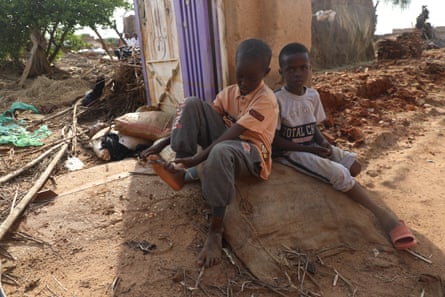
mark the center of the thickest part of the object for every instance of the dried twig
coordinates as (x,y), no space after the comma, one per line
(62,112)
(2,292)
(261,283)
(22,235)
(29,165)
(229,256)
(334,282)
(201,273)
(114,284)
(7,223)
(74,128)
(59,283)
(14,200)
(417,255)
(350,285)
(53,294)
(6,254)
(11,280)
(197,283)
(289,280)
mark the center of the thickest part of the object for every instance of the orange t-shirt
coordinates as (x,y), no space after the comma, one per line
(257,112)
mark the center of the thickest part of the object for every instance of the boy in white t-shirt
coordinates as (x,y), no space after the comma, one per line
(302,146)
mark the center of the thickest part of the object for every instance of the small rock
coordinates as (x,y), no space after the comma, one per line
(372,173)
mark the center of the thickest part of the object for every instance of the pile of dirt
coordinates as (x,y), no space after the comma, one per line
(406,45)
(371,96)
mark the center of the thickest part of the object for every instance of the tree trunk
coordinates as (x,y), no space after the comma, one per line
(104,44)
(37,63)
(120,35)
(58,46)
(51,38)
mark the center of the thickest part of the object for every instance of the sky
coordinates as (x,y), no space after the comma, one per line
(108,33)
(390,17)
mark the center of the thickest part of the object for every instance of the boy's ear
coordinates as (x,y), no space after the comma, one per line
(280,71)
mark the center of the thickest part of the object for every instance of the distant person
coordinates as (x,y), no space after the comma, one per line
(133,42)
(422,17)
(123,49)
(301,145)
(235,133)
(126,40)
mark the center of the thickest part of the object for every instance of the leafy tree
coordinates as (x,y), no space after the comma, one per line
(47,23)
(403,4)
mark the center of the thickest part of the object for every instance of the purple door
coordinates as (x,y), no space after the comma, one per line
(198,48)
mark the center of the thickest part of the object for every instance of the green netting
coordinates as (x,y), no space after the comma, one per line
(12,131)
(19,136)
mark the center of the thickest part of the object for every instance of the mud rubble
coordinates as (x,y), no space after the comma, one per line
(370,96)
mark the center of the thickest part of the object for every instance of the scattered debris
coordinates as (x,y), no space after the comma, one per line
(407,45)
(419,256)
(142,245)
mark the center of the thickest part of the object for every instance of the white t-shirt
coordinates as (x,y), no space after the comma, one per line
(299,115)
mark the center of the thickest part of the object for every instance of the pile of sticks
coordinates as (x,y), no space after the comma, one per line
(56,151)
(123,93)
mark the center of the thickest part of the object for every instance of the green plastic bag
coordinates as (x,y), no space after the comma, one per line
(19,136)
(11,131)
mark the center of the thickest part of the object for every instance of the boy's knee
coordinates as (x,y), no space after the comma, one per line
(191,105)
(192,100)
(220,154)
(220,150)
(356,168)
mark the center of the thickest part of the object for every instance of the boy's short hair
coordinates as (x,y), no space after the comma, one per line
(254,49)
(291,49)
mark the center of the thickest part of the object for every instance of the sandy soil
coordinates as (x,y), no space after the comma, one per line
(114,233)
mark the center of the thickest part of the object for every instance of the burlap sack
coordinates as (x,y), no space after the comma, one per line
(150,125)
(294,210)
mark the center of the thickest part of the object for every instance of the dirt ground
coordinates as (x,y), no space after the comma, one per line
(112,231)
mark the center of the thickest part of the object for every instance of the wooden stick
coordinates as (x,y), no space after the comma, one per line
(74,129)
(14,200)
(352,288)
(102,41)
(2,292)
(201,273)
(35,47)
(62,112)
(417,255)
(86,186)
(29,165)
(7,223)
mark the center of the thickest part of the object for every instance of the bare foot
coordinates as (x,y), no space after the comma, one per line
(211,252)
(174,177)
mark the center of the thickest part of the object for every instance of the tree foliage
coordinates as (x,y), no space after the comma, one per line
(56,19)
(403,4)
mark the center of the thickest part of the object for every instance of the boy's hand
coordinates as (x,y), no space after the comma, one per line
(324,152)
(152,150)
(190,161)
(328,146)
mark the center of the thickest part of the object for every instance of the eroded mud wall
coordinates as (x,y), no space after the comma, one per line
(276,22)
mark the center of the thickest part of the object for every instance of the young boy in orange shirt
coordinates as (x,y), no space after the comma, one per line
(236,135)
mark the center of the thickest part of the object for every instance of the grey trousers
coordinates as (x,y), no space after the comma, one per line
(197,123)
